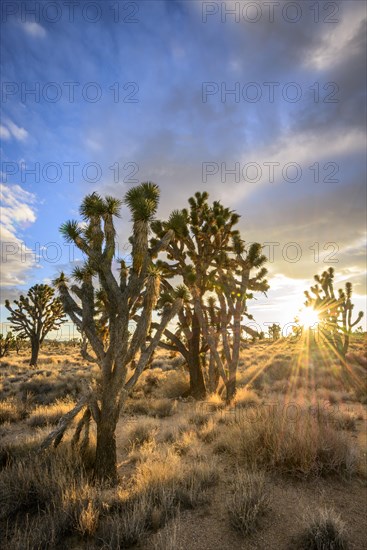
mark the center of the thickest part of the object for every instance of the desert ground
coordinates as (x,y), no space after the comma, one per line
(283,466)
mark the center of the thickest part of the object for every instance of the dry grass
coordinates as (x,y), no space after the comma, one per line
(325,531)
(12,411)
(169,537)
(163,483)
(199,418)
(245,398)
(269,438)
(170,480)
(126,527)
(136,406)
(161,408)
(174,384)
(45,496)
(171,463)
(213,402)
(141,431)
(186,443)
(209,432)
(248,502)
(44,415)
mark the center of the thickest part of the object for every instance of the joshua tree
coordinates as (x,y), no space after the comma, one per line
(208,254)
(334,312)
(234,288)
(6,343)
(201,234)
(274,331)
(121,355)
(35,315)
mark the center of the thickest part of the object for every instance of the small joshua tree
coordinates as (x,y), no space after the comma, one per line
(35,315)
(104,306)
(334,312)
(6,343)
(274,331)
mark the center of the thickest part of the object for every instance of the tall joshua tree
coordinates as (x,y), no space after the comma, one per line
(35,315)
(200,234)
(207,253)
(334,311)
(236,284)
(120,355)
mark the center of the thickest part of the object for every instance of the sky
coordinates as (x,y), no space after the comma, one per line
(262,104)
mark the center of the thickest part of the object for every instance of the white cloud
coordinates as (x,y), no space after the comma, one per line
(337,41)
(4,132)
(301,149)
(17,212)
(94,144)
(11,129)
(34,29)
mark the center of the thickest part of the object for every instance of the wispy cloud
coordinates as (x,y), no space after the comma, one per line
(10,129)
(34,29)
(17,213)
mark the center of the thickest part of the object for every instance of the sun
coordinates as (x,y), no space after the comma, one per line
(308,317)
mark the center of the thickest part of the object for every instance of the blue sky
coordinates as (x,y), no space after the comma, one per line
(152,96)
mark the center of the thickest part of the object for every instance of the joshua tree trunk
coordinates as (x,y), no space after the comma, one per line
(213,374)
(35,346)
(105,467)
(105,463)
(197,384)
(233,366)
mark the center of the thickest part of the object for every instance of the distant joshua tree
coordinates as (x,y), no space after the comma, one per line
(274,331)
(105,308)
(6,343)
(334,311)
(35,315)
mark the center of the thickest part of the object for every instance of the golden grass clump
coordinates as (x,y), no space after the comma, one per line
(44,415)
(12,411)
(324,531)
(288,440)
(248,501)
(245,398)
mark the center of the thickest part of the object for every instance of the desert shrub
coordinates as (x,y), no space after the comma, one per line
(325,531)
(245,398)
(152,381)
(121,530)
(172,482)
(338,419)
(139,432)
(174,384)
(161,408)
(214,402)
(209,432)
(279,368)
(44,415)
(137,406)
(46,497)
(13,451)
(199,418)
(302,446)
(168,538)
(12,411)
(248,501)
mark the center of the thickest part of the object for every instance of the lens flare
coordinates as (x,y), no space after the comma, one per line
(308,318)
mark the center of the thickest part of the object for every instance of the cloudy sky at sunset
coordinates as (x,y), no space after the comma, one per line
(261,105)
